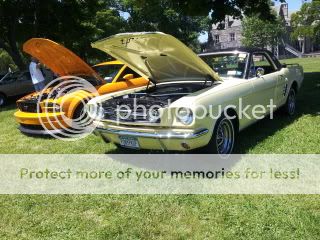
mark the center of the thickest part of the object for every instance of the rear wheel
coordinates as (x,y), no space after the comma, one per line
(223,138)
(3,100)
(290,107)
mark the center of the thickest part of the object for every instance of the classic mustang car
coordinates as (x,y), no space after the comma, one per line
(106,77)
(18,83)
(192,101)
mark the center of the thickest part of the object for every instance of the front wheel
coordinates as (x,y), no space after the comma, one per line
(81,116)
(223,138)
(290,106)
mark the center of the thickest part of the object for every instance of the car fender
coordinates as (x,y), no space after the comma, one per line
(70,105)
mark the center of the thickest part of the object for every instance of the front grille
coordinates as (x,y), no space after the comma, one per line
(125,115)
(28,106)
(142,110)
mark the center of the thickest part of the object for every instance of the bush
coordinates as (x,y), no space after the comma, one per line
(6,62)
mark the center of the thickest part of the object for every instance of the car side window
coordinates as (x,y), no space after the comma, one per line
(260,62)
(9,79)
(25,77)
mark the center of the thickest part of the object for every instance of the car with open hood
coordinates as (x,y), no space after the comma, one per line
(35,115)
(192,101)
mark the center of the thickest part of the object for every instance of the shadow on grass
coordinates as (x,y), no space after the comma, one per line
(308,103)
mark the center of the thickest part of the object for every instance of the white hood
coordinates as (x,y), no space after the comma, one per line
(157,56)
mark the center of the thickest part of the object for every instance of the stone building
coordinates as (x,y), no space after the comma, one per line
(228,34)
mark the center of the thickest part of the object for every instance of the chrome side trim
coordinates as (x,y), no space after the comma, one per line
(168,135)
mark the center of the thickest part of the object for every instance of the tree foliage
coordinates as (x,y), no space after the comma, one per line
(74,23)
(77,23)
(6,62)
(306,22)
(261,33)
(160,15)
(218,9)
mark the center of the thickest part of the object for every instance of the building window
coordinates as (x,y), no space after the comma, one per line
(232,37)
(216,39)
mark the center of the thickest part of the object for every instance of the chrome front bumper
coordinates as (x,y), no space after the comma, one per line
(168,135)
(160,139)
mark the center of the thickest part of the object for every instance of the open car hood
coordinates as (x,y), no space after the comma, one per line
(58,58)
(157,56)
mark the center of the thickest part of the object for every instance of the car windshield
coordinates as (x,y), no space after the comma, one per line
(108,72)
(227,65)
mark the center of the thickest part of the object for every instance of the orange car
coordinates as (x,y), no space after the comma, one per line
(106,77)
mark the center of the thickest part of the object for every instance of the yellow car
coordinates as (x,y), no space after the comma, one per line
(106,77)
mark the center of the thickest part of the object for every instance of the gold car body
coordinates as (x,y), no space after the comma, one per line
(165,60)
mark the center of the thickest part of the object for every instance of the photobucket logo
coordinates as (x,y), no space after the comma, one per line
(243,111)
(135,112)
(61,108)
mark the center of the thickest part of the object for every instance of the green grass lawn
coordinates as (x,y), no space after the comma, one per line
(172,217)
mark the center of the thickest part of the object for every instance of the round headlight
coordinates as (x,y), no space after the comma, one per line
(95,112)
(185,116)
(100,113)
(154,115)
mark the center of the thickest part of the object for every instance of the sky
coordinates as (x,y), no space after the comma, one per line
(294,5)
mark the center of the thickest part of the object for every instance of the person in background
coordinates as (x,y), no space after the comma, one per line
(37,77)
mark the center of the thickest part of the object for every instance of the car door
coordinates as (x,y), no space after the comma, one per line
(8,85)
(24,84)
(264,84)
(282,87)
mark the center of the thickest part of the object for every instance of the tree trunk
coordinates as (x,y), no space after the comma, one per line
(15,53)
(17,58)
(210,38)
(304,45)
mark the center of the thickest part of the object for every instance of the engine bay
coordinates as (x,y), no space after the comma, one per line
(136,107)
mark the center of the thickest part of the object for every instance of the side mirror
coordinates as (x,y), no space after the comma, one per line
(260,72)
(128,77)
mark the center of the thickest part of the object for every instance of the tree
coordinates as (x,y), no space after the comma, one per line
(160,15)
(9,20)
(5,62)
(306,22)
(261,33)
(74,23)
(218,9)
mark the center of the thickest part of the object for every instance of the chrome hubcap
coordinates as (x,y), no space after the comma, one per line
(1,101)
(225,137)
(292,102)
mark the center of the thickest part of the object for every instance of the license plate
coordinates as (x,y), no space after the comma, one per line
(129,142)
